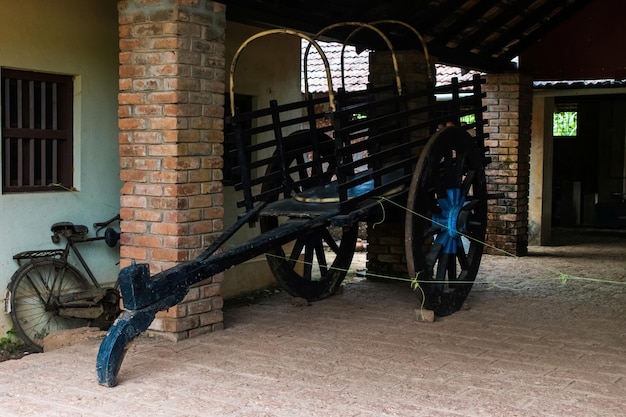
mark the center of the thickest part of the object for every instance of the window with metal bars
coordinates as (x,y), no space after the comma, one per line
(37,125)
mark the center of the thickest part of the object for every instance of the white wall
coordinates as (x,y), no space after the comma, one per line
(268,68)
(80,38)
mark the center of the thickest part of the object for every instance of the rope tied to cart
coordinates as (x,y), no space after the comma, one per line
(563,277)
(415,282)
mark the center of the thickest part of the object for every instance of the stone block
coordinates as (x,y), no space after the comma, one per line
(423,315)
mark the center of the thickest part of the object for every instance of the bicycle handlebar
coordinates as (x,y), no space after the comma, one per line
(101,225)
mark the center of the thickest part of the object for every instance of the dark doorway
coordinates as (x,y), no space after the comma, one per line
(589,182)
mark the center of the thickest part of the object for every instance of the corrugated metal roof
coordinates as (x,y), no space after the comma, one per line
(579,83)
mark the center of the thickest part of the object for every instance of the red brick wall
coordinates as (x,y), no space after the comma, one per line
(171,132)
(509,107)
(385,250)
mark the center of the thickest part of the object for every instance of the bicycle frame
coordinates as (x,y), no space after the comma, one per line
(71,245)
(48,293)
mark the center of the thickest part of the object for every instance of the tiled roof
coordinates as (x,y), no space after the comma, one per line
(356,69)
(446,73)
(356,72)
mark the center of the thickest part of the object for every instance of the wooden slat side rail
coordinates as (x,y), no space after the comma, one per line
(390,133)
(377,135)
(271,140)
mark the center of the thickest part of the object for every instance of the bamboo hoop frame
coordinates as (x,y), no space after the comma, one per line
(311,41)
(360,25)
(431,75)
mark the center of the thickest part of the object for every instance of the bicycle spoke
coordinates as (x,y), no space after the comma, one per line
(34,289)
(33,285)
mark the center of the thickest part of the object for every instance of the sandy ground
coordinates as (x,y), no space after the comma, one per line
(588,265)
(544,335)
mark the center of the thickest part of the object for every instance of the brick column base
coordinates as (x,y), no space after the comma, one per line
(172,72)
(385,246)
(385,250)
(509,107)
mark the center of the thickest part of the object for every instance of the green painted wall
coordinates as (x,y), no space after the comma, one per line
(79,38)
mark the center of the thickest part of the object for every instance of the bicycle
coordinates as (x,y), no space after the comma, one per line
(47,293)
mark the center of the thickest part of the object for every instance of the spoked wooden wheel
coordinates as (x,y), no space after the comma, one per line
(315,264)
(446,224)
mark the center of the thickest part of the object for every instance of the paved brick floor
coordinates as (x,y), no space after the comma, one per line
(527,346)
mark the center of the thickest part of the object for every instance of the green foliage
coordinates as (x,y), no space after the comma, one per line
(565,123)
(468,118)
(11,344)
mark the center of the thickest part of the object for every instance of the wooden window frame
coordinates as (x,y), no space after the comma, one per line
(37,131)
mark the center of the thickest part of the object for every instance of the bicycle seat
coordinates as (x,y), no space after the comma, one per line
(69,229)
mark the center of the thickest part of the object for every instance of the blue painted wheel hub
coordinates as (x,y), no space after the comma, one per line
(451,232)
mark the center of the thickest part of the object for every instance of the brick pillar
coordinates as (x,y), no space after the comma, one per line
(171,132)
(509,107)
(385,249)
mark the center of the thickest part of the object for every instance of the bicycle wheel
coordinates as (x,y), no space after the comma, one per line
(34,292)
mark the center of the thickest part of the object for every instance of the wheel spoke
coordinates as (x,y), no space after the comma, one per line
(321,258)
(330,241)
(432,230)
(471,205)
(453,166)
(462,278)
(460,167)
(467,182)
(33,306)
(296,251)
(449,171)
(442,267)
(61,285)
(474,227)
(433,255)
(438,186)
(42,284)
(462,258)
(32,283)
(303,282)
(308,262)
(309,249)
(451,267)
